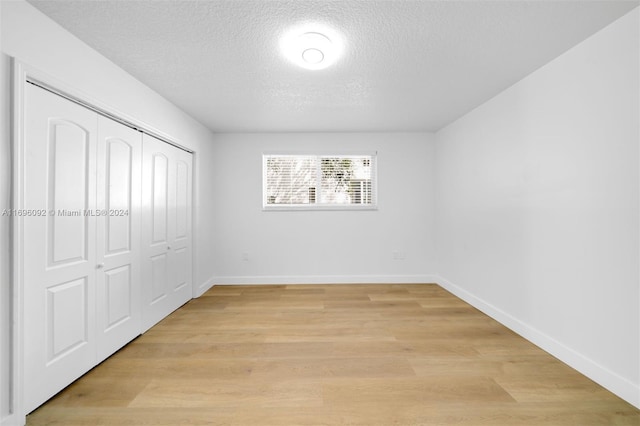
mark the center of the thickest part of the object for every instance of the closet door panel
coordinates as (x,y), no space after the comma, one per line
(156,303)
(182,266)
(68,191)
(119,287)
(166,232)
(180,232)
(183,204)
(67,326)
(160,198)
(119,313)
(120,167)
(59,259)
(159,271)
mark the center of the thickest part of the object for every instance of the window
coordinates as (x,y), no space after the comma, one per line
(319,181)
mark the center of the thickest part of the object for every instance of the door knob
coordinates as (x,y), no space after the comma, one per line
(100,266)
(168,247)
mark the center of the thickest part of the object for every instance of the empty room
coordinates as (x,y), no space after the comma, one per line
(319,212)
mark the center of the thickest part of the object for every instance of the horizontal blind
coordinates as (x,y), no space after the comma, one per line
(319,180)
(291,180)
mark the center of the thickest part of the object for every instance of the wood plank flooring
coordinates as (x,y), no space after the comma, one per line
(332,355)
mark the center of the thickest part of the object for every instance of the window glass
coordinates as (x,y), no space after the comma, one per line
(319,181)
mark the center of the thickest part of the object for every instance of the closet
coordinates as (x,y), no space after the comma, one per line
(105,238)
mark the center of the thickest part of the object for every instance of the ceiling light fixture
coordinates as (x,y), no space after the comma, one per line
(311,47)
(313,56)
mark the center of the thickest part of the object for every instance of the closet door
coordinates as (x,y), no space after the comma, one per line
(166,234)
(80,239)
(180,235)
(119,310)
(59,260)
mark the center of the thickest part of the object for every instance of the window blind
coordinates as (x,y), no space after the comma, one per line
(308,181)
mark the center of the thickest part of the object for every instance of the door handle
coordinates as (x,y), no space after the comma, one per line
(100,266)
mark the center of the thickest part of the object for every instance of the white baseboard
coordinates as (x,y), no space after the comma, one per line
(13,420)
(202,288)
(620,386)
(325,279)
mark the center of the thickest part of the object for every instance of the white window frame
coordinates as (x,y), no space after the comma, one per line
(321,206)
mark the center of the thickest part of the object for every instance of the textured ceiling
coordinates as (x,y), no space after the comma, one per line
(407,65)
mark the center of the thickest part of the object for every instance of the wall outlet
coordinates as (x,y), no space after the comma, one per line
(399,255)
(245,256)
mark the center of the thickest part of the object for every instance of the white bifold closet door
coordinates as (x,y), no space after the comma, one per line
(118,249)
(166,231)
(81,241)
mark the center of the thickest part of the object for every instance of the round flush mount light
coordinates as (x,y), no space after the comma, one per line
(313,56)
(311,47)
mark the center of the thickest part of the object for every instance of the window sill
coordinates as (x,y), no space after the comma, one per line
(310,207)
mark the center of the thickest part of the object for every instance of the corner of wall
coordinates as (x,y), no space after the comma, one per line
(620,386)
(529,180)
(204,287)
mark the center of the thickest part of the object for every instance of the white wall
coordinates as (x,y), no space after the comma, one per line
(5,294)
(324,246)
(34,39)
(537,207)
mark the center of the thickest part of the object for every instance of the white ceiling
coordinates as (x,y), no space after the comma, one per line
(407,65)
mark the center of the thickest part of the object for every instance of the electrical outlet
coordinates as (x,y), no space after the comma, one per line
(245,256)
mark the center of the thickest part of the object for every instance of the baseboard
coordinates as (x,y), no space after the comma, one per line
(13,420)
(202,288)
(620,386)
(324,279)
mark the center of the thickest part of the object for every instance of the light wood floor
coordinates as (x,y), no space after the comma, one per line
(332,355)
